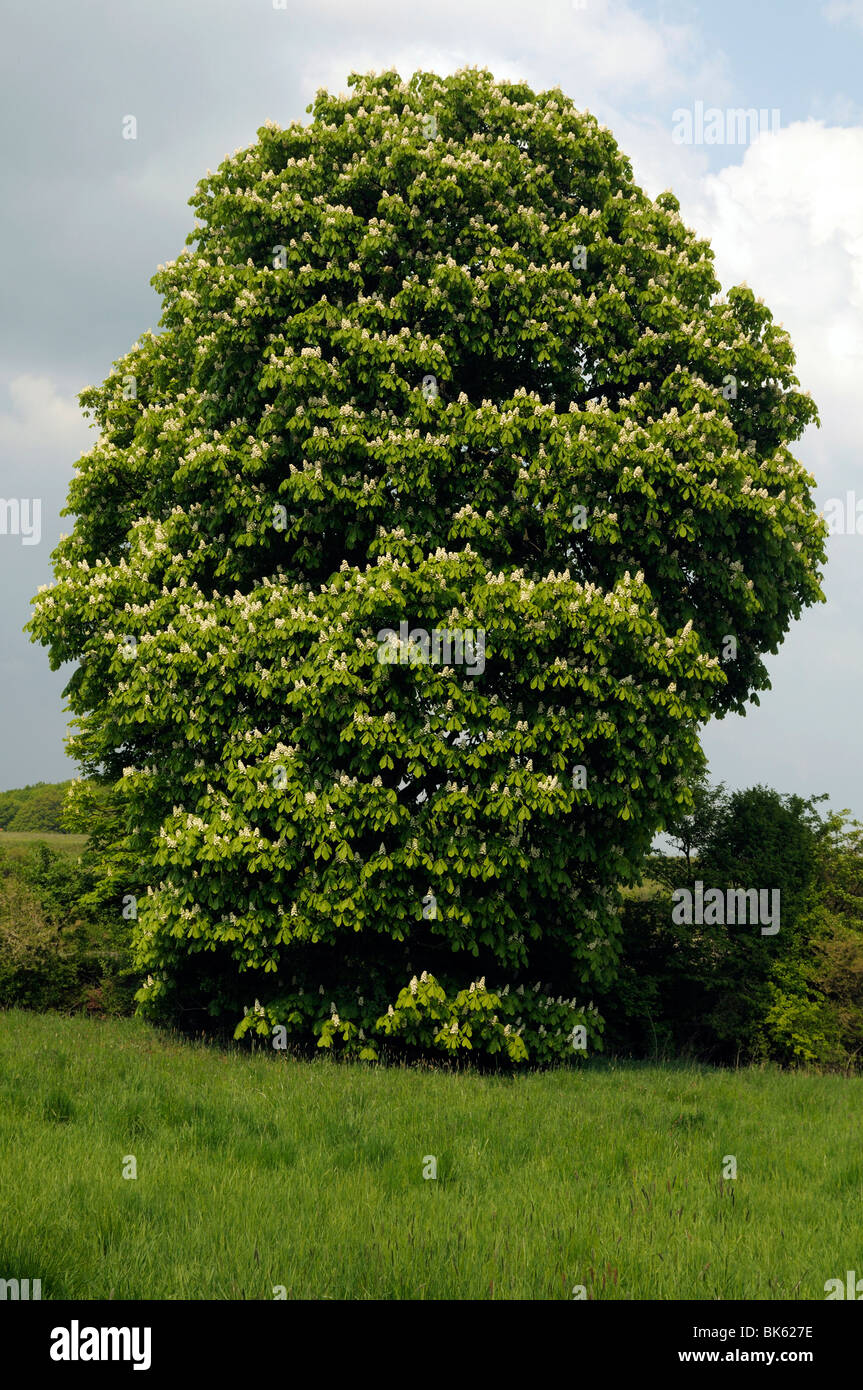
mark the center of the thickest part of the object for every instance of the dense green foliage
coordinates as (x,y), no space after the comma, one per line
(36,807)
(724,992)
(55,951)
(431,358)
(719,993)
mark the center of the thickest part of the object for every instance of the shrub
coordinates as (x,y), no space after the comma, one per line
(53,956)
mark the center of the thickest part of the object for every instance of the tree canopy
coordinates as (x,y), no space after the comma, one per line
(431,363)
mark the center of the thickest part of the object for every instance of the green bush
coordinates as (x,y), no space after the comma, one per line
(725,992)
(37,965)
(53,953)
(835,922)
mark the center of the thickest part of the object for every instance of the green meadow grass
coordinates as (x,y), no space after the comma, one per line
(18,841)
(257,1170)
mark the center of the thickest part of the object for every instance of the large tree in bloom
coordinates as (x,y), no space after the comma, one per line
(450,500)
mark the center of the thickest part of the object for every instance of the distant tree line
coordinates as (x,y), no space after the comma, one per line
(35,807)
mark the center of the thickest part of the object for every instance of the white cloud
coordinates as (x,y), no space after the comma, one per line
(789,221)
(597,54)
(840,10)
(41,417)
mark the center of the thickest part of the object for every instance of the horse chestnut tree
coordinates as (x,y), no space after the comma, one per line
(449,502)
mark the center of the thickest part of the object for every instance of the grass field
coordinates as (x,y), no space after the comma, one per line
(258,1171)
(21,840)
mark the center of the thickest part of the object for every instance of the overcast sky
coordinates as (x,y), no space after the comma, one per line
(89,215)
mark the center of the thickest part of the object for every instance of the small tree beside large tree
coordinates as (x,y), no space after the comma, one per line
(431,359)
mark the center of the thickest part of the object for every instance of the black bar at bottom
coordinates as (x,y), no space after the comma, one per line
(86,1340)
